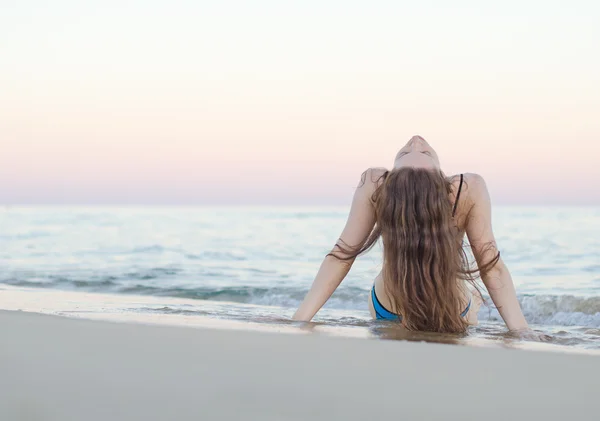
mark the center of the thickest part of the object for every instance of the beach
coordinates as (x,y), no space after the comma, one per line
(184,314)
(57,368)
(257,263)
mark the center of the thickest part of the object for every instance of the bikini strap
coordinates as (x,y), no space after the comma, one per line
(457,195)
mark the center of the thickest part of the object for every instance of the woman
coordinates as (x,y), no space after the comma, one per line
(422,218)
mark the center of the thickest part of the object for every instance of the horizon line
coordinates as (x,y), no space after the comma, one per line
(257,205)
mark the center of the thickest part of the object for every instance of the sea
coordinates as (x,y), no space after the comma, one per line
(255,264)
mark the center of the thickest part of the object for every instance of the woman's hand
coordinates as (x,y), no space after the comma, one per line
(529,334)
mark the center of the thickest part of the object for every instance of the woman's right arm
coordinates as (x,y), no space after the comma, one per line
(333,270)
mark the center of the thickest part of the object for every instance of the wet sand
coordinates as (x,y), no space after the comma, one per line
(56,368)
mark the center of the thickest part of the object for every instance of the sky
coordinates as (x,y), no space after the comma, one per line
(287,102)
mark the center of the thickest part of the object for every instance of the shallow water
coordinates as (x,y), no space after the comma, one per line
(257,263)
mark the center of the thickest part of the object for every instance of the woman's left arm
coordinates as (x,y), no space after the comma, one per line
(333,270)
(498,280)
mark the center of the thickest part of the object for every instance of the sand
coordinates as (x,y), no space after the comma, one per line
(56,368)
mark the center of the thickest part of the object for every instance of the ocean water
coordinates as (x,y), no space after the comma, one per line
(256,264)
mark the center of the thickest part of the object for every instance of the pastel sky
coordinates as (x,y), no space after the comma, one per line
(287,102)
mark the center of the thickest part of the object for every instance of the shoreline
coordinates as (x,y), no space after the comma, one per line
(221,315)
(57,368)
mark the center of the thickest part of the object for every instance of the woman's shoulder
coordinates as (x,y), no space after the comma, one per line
(475,184)
(470,181)
(372,177)
(472,191)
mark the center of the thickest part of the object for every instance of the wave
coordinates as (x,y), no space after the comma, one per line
(555,310)
(344,298)
(34,235)
(562,310)
(216,256)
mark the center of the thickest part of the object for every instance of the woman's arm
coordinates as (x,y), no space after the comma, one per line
(498,280)
(358,227)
